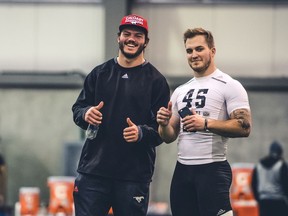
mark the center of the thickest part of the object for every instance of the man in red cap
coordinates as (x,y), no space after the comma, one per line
(120,98)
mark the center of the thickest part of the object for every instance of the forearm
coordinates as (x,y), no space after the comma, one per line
(239,124)
(167,133)
(229,128)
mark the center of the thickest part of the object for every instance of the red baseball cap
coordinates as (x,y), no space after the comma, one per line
(134,20)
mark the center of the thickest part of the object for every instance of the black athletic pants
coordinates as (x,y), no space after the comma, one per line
(94,195)
(201,190)
(273,208)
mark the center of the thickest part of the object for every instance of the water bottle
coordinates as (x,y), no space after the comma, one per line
(92,131)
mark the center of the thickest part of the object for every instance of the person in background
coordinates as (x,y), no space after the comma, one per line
(3,182)
(121,96)
(203,113)
(270,183)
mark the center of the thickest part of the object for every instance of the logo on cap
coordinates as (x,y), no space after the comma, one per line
(134,20)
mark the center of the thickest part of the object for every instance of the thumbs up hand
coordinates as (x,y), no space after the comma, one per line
(131,133)
(164,114)
(93,115)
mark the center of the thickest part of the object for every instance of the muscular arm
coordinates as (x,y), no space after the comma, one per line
(170,132)
(239,124)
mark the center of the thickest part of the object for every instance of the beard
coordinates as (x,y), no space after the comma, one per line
(131,55)
(203,68)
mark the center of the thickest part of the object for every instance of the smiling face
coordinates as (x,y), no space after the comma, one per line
(131,42)
(200,57)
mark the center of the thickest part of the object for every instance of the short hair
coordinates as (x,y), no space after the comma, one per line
(190,33)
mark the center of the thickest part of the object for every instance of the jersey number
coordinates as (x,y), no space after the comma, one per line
(199,100)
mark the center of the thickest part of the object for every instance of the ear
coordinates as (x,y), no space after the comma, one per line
(146,41)
(118,37)
(213,50)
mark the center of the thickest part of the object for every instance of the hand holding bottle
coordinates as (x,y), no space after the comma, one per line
(92,131)
(94,117)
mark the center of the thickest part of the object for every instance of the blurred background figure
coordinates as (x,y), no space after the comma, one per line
(3,185)
(270,183)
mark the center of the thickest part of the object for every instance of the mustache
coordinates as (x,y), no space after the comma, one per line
(140,49)
(131,42)
(196,59)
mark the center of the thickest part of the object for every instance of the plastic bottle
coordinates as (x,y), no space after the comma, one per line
(92,131)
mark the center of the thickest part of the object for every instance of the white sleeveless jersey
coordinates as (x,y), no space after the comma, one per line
(214,97)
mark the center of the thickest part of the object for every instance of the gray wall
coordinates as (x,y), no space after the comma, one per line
(35,124)
(250,39)
(51,37)
(34,127)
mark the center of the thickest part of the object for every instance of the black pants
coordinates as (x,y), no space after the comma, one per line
(94,195)
(201,190)
(273,208)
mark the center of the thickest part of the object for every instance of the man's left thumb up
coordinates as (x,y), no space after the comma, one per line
(130,123)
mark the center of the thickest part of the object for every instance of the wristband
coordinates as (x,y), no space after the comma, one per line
(206,125)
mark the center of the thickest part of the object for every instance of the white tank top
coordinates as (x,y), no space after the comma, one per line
(214,97)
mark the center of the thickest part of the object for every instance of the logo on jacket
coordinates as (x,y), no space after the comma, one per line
(139,198)
(220,212)
(125,76)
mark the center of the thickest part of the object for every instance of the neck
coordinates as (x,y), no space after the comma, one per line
(126,62)
(207,72)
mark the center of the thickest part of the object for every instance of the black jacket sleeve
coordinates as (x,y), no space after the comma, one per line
(85,100)
(160,98)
